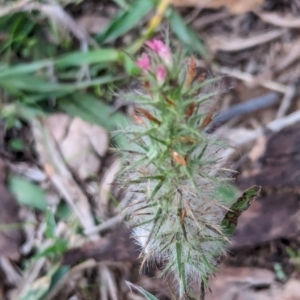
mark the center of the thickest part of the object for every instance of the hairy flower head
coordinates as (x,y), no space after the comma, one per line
(171,169)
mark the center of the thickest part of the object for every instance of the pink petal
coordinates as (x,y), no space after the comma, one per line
(143,62)
(161,74)
(155,45)
(161,49)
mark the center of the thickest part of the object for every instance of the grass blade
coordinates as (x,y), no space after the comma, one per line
(126,21)
(185,34)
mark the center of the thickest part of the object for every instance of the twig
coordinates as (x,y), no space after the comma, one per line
(212,18)
(292,55)
(88,264)
(277,20)
(11,273)
(107,280)
(274,126)
(29,232)
(250,136)
(284,122)
(105,225)
(238,44)
(193,15)
(112,221)
(105,185)
(269,84)
(35,268)
(241,109)
(286,101)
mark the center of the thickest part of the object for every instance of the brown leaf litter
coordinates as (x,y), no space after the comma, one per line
(277,214)
(251,284)
(81,144)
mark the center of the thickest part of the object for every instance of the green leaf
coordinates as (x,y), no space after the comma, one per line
(230,220)
(228,193)
(130,66)
(50,224)
(23,69)
(185,34)
(27,193)
(62,272)
(63,211)
(16,144)
(41,287)
(36,290)
(181,266)
(279,271)
(92,110)
(147,295)
(91,57)
(36,84)
(58,247)
(178,257)
(18,110)
(126,21)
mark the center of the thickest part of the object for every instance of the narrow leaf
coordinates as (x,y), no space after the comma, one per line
(186,34)
(36,290)
(91,57)
(23,69)
(243,203)
(50,224)
(126,21)
(92,110)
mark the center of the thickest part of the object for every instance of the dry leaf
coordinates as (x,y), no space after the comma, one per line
(82,144)
(259,224)
(60,175)
(251,284)
(243,283)
(279,179)
(234,6)
(291,290)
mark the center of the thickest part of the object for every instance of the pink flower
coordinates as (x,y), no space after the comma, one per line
(160,74)
(143,62)
(161,49)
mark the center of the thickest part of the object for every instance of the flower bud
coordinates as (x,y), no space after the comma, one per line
(162,51)
(160,75)
(143,62)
